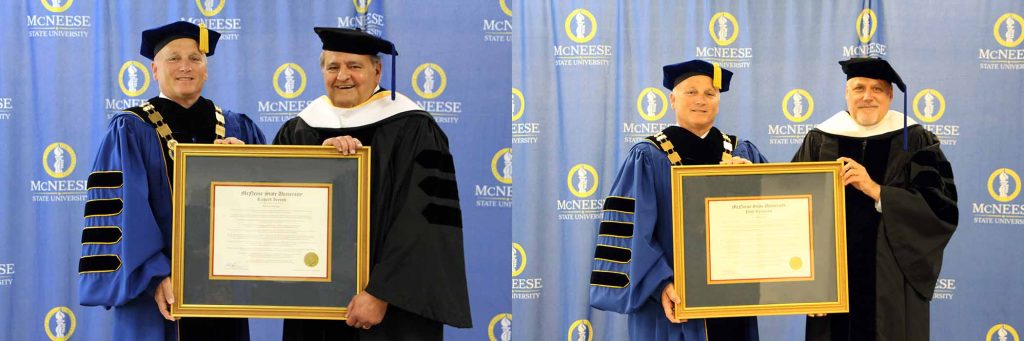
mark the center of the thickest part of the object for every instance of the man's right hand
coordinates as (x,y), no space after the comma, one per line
(668,302)
(164,298)
(345,144)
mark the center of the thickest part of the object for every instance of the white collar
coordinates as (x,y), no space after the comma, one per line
(321,112)
(843,124)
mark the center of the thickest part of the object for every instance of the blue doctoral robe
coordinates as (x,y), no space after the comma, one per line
(126,242)
(638,220)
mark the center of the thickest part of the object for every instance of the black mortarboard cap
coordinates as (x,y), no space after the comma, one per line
(877,68)
(155,39)
(357,41)
(675,73)
(872,68)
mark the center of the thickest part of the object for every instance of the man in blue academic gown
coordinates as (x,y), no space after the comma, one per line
(417,278)
(126,243)
(632,267)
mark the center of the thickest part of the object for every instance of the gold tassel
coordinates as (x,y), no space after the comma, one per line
(204,39)
(717,79)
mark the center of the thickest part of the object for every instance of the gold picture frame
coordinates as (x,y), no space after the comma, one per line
(759,239)
(343,179)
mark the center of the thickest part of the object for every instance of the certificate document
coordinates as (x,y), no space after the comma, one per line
(759,239)
(270,231)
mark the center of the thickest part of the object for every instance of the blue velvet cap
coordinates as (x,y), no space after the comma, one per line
(675,73)
(155,39)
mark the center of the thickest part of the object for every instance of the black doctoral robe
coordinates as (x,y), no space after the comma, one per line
(416,253)
(895,256)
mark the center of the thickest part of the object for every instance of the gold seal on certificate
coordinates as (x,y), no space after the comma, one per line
(311,259)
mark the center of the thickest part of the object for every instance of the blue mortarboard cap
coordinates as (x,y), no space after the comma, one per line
(357,41)
(155,39)
(876,68)
(675,73)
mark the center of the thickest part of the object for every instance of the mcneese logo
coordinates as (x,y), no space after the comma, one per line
(286,87)
(59,160)
(434,80)
(580,330)
(723,28)
(1007,30)
(500,328)
(57,6)
(497,195)
(58,25)
(867,24)
(502,173)
(1002,332)
(999,185)
(582,180)
(289,82)
(518,102)
(522,132)
(60,323)
(929,105)
(518,259)
(797,105)
(362,6)
(128,78)
(1003,186)
(651,104)
(429,82)
(372,23)
(133,80)
(209,8)
(580,26)
(523,288)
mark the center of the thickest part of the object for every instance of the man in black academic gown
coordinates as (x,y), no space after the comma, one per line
(417,269)
(900,208)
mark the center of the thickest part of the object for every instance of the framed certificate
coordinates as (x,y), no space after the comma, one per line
(759,239)
(269,231)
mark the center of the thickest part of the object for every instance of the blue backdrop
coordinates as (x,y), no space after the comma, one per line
(586,81)
(68,66)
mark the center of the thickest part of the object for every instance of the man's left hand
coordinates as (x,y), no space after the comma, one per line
(855,174)
(228,140)
(735,160)
(365,311)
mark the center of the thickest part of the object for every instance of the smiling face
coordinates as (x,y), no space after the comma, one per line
(868,99)
(695,101)
(350,78)
(180,70)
